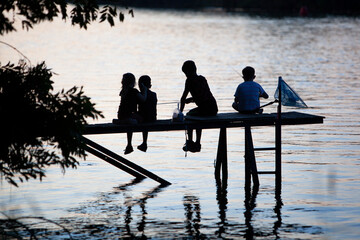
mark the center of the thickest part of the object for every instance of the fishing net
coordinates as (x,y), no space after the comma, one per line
(288,96)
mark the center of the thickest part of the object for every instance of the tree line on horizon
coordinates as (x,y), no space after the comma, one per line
(276,6)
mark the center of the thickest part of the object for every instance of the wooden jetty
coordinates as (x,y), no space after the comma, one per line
(222,121)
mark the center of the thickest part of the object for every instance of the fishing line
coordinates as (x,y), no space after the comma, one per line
(186,139)
(222,99)
(234,70)
(269,103)
(173,102)
(14,48)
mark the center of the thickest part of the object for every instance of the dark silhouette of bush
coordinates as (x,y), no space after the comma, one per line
(39,128)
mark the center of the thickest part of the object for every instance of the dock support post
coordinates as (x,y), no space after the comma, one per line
(250,161)
(123,161)
(221,158)
(278,142)
(114,162)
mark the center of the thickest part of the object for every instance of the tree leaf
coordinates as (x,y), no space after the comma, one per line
(121,17)
(110,20)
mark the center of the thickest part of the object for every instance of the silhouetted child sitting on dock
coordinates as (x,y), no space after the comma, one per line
(206,104)
(130,98)
(147,109)
(248,93)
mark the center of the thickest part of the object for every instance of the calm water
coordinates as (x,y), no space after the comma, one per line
(319,58)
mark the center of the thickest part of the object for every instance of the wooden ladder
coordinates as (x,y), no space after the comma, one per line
(250,159)
(251,171)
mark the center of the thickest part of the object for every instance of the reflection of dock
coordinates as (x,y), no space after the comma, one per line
(222,121)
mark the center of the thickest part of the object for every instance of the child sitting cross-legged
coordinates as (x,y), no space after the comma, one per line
(248,93)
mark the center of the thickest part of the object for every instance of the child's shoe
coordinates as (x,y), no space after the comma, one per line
(142,147)
(128,149)
(196,147)
(188,146)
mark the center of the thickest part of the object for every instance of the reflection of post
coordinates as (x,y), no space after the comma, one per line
(130,202)
(250,204)
(128,219)
(221,197)
(277,210)
(191,205)
(141,225)
(147,195)
(221,158)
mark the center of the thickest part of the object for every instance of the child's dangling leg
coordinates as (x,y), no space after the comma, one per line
(190,144)
(143,146)
(197,145)
(129,147)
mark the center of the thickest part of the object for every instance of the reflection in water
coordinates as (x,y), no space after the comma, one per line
(221,197)
(248,231)
(130,202)
(250,204)
(193,216)
(118,214)
(106,217)
(277,211)
(109,218)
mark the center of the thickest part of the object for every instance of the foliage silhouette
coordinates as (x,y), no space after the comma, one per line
(39,128)
(83,12)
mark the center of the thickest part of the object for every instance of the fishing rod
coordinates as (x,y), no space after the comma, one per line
(269,103)
(265,105)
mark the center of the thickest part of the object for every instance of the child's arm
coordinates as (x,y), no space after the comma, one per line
(264,95)
(143,94)
(189,100)
(183,99)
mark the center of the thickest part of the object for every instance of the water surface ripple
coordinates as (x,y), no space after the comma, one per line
(318,57)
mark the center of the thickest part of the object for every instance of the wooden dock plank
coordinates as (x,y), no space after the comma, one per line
(221,120)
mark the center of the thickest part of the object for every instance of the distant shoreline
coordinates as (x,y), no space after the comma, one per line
(257,7)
